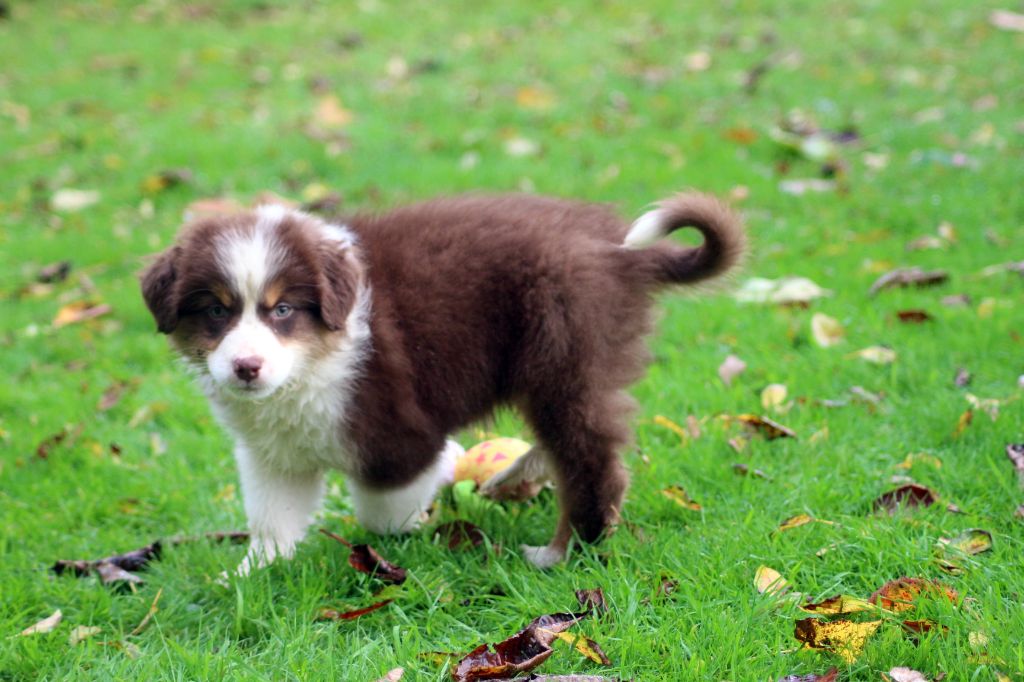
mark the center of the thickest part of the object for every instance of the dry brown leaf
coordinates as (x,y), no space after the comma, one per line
(679,495)
(844,637)
(745,470)
(905,277)
(827,331)
(913,316)
(365,559)
(43,626)
(768,428)
(521,652)
(899,595)
(1015,452)
(592,601)
(731,368)
(909,495)
(962,422)
(459,535)
(971,541)
(330,114)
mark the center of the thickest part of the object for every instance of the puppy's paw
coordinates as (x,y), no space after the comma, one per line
(522,480)
(543,557)
(446,464)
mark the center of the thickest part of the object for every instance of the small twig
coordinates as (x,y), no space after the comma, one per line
(149,615)
(337,537)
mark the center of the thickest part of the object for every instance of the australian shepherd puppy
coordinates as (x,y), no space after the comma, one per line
(362,346)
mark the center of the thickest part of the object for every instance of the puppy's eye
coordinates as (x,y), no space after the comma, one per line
(281,311)
(217,312)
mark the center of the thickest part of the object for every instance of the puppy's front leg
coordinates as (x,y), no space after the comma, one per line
(279,506)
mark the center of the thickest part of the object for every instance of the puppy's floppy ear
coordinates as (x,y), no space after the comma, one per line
(159,290)
(340,276)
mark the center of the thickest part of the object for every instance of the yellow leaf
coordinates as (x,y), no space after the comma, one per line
(530,97)
(827,331)
(986,308)
(963,422)
(773,396)
(78,312)
(795,522)
(769,581)
(678,495)
(587,647)
(661,420)
(922,457)
(81,633)
(844,637)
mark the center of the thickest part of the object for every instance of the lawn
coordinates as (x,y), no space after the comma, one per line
(150,107)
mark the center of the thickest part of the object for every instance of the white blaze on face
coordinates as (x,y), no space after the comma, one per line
(250,259)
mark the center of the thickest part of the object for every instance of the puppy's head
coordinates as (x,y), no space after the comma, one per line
(250,300)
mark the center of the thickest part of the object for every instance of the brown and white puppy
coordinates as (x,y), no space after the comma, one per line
(362,346)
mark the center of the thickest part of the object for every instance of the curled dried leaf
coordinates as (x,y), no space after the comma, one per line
(839,604)
(794,522)
(768,428)
(905,277)
(334,614)
(521,652)
(827,331)
(459,535)
(830,676)
(971,541)
(592,601)
(909,495)
(366,559)
(43,626)
(769,581)
(899,595)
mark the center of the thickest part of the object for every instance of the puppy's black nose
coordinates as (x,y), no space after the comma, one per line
(248,368)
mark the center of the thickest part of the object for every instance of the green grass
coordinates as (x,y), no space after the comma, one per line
(108,94)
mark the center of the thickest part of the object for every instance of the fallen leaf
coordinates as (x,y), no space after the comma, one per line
(913,316)
(920,627)
(54,272)
(112,574)
(1015,452)
(79,311)
(82,633)
(794,522)
(773,396)
(72,200)
(839,604)
(768,428)
(212,207)
(919,457)
(534,98)
(956,300)
(43,626)
(1006,20)
(899,595)
(129,561)
(769,581)
(592,601)
(801,186)
(844,637)
(521,652)
(962,422)
(365,559)
(827,331)
(66,435)
(962,378)
(111,396)
(878,355)
(678,495)
(521,146)
(330,114)
(662,420)
(334,614)
(830,676)
(585,646)
(909,495)
(989,406)
(971,541)
(393,675)
(697,61)
(731,368)
(745,470)
(906,675)
(459,535)
(784,291)
(166,179)
(905,277)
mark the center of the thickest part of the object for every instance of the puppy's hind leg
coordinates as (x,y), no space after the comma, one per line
(583,438)
(402,509)
(527,473)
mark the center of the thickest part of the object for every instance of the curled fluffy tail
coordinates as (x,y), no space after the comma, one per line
(665,263)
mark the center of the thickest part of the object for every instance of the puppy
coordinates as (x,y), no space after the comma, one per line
(362,346)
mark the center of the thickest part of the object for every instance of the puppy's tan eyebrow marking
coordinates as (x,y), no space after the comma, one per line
(272,294)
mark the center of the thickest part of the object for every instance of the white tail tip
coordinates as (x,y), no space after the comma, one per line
(648,228)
